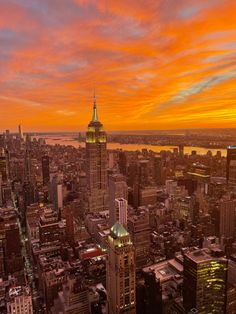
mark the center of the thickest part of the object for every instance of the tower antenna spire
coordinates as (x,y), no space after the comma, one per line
(95,114)
(94,96)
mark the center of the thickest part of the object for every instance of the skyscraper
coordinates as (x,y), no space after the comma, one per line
(56,192)
(118,196)
(70,232)
(140,231)
(96,158)
(181,150)
(45,169)
(50,229)
(122,163)
(227,218)
(231,165)
(120,212)
(120,272)
(21,136)
(149,294)
(10,233)
(4,170)
(205,280)
(157,168)
(28,166)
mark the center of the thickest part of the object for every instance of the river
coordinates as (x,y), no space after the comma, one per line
(68,140)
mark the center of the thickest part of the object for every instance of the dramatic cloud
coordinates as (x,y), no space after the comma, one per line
(155,64)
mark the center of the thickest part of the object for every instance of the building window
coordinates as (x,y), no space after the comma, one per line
(127,299)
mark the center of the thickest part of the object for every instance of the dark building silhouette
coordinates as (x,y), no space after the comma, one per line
(13,257)
(4,171)
(231,165)
(10,235)
(122,162)
(28,194)
(70,233)
(149,295)
(157,169)
(181,150)
(50,228)
(45,169)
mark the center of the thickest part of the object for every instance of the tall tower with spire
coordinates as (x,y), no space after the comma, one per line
(96,159)
(120,276)
(21,136)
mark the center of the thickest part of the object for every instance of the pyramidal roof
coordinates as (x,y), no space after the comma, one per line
(118,230)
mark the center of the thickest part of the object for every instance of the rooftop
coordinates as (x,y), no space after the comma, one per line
(167,270)
(118,230)
(202,255)
(19,290)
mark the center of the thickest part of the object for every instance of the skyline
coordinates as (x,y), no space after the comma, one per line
(154,64)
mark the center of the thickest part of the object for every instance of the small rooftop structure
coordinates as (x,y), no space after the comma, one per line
(119,231)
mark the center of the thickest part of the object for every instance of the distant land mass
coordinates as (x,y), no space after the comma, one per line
(218,132)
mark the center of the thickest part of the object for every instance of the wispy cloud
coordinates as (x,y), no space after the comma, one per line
(23,102)
(201,86)
(66,113)
(155,64)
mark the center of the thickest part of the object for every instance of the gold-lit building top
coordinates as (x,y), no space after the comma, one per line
(95,132)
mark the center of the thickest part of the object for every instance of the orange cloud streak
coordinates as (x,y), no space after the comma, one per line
(155,64)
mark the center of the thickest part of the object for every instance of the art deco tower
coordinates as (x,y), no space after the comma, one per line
(96,159)
(120,272)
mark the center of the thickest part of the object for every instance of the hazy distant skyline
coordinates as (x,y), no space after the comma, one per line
(155,64)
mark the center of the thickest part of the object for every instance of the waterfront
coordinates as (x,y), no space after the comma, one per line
(68,140)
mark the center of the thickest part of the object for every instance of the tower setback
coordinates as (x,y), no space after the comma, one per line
(96,163)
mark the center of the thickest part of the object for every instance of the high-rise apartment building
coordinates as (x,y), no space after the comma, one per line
(118,196)
(50,228)
(120,212)
(117,187)
(27,166)
(205,280)
(140,232)
(122,162)
(4,170)
(10,236)
(96,158)
(143,172)
(45,169)
(157,169)
(121,272)
(56,192)
(227,218)
(70,232)
(231,165)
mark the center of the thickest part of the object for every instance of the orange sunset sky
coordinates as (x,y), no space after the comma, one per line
(160,64)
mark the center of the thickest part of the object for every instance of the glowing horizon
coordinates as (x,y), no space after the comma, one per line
(155,64)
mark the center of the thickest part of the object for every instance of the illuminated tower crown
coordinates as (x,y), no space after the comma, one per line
(95,133)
